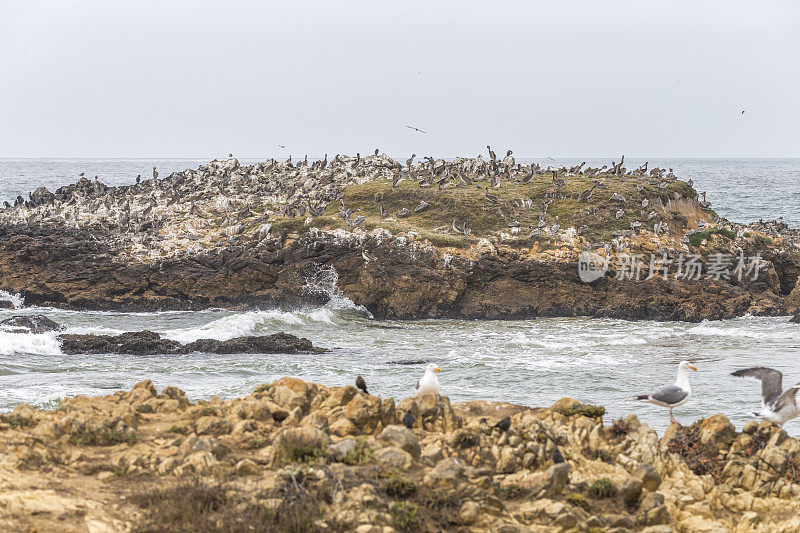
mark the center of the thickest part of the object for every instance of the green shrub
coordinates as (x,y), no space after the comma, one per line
(398,487)
(577,500)
(602,488)
(405,516)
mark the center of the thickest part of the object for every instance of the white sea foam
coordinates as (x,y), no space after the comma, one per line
(28,343)
(745,331)
(16,299)
(323,281)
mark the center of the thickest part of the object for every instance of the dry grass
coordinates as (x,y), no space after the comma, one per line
(194,505)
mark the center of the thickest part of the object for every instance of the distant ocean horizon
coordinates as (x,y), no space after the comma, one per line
(740,189)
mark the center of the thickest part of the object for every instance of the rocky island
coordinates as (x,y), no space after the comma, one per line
(463,238)
(297,456)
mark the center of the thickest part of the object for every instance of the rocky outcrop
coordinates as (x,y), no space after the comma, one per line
(335,459)
(233,236)
(151,343)
(30,324)
(402,280)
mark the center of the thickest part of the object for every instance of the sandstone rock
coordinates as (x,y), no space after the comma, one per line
(247,467)
(548,512)
(446,472)
(630,490)
(212,425)
(201,462)
(431,411)
(393,457)
(652,510)
(341,449)
(402,438)
(292,444)
(364,412)
(717,430)
(651,479)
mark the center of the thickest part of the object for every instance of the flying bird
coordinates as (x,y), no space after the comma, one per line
(416,129)
(777,406)
(282,145)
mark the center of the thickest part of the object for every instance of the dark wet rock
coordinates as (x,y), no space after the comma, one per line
(30,324)
(5,304)
(151,343)
(795,319)
(275,343)
(133,343)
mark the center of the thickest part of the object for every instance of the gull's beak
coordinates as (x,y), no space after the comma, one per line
(438,369)
(693,367)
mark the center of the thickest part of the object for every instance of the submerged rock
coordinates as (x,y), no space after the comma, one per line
(151,343)
(133,343)
(275,343)
(30,324)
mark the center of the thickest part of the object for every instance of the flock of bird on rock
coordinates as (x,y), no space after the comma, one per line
(777,406)
(222,199)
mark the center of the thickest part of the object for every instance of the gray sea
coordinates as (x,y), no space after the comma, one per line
(531,362)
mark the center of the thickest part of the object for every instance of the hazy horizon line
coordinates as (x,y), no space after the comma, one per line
(330,156)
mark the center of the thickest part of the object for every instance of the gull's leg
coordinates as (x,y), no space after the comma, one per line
(672,417)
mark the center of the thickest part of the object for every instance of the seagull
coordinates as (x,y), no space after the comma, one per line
(674,395)
(429,382)
(777,406)
(282,146)
(361,384)
(416,129)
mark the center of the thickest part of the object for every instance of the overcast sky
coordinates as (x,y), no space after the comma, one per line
(563,79)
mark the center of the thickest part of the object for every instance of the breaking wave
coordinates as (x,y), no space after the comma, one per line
(16,299)
(28,343)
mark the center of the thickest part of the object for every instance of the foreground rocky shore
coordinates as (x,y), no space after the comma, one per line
(296,456)
(461,239)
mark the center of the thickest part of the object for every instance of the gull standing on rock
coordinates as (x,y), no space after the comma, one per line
(674,395)
(429,382)
(777,406)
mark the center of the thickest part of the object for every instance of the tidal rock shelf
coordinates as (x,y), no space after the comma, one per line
(467,238)
(151,343)
(301,456)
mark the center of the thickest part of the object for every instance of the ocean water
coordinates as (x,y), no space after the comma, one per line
(531,362)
